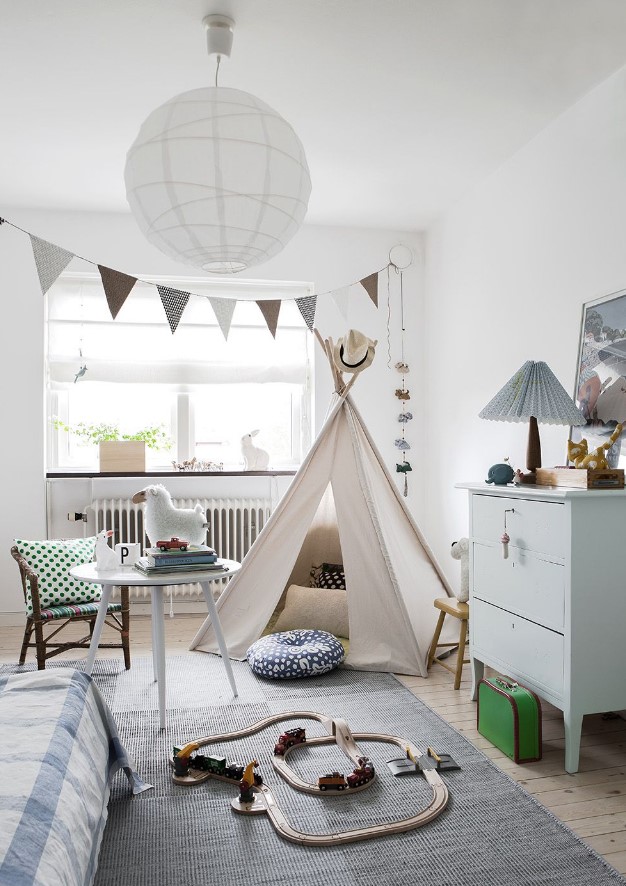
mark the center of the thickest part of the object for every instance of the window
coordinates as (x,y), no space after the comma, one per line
(203,391)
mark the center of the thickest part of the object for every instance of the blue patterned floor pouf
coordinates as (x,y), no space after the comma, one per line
(292,654)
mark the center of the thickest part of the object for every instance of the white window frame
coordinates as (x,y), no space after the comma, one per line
(183,417)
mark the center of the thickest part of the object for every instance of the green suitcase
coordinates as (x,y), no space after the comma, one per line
(509,715)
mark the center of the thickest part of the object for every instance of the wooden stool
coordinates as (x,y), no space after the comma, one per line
(450,606)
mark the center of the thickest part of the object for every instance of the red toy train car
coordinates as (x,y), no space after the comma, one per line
(335,781)
(363,773)
(288,739)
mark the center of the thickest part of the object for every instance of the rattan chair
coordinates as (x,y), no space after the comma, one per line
(49,622)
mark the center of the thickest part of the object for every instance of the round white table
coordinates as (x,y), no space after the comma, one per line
(131,577)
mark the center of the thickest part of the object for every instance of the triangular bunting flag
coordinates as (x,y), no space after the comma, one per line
(370,284)
(342,300)
(174,302)
(270,310)
(50,260)
(223,308)
(117,286)
(307,308)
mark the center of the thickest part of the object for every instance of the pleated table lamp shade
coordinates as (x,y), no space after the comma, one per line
(533,394)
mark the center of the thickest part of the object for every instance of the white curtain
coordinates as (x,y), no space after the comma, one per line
(139,347)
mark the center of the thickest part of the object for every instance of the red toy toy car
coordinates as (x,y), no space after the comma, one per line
(173,544)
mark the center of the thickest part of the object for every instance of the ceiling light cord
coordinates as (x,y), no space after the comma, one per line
(217,69)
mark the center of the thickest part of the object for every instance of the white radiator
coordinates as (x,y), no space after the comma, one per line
(234,524)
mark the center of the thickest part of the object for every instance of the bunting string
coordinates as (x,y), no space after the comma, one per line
(51,260)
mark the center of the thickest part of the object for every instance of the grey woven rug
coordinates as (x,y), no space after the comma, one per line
(492,834)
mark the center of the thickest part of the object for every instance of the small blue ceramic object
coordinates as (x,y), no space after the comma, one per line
(500,475)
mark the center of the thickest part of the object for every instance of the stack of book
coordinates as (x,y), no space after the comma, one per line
(196,558)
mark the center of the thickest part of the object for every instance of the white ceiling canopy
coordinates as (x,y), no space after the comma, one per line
(402,105)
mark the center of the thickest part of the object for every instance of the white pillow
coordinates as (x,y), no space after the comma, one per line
(322,609)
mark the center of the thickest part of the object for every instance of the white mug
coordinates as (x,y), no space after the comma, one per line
(128,553)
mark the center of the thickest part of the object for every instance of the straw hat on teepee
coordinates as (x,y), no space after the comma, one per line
(353,352)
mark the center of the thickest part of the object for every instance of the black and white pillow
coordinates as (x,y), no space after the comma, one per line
(291,654)
(328,575)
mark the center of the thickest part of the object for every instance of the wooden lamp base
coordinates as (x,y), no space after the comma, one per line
(533,451)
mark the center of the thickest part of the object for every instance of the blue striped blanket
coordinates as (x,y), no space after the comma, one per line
(59,750)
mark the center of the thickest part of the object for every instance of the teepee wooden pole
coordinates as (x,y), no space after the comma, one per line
(327,345)
(346,389)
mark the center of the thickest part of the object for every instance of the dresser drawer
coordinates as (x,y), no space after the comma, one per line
(525,583)
(523,648)
(532,525)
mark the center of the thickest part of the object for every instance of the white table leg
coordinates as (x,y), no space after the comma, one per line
(158,648)
(215,621)
(97,630)
(157,617)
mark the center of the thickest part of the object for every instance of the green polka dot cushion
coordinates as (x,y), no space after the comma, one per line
(52,561)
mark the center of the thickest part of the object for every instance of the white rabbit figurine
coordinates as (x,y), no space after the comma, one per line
(255,459)
(106,558)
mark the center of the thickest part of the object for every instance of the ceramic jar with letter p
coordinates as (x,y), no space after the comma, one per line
(128,553)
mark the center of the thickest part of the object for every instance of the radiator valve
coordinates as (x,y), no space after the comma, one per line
(76,517)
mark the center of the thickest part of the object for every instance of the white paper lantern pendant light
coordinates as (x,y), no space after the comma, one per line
(216,178)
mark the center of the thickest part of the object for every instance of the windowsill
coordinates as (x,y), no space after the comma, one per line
(52,475)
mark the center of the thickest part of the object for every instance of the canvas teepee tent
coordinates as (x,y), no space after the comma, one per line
(391,575)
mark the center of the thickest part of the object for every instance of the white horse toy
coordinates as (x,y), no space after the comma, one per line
(163,520)
(255,459)
(106,559)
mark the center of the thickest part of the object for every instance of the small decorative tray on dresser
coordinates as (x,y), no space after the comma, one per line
(581,478)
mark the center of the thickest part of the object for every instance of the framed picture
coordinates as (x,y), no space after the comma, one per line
(601,377)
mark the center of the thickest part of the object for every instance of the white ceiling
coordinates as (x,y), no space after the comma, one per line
(402,105)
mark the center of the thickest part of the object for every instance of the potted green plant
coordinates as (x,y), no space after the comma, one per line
(118,452)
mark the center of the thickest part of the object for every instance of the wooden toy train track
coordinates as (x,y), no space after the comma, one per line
(262,801)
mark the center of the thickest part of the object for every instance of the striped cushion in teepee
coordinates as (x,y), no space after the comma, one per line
(52,561)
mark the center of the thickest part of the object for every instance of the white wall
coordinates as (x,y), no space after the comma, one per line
(507,273)
(328,257)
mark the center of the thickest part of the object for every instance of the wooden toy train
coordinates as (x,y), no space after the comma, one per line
(288,739)
(334,781)
(220,767)
(256,797)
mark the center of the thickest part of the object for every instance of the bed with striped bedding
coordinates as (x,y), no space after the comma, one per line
(59,750)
